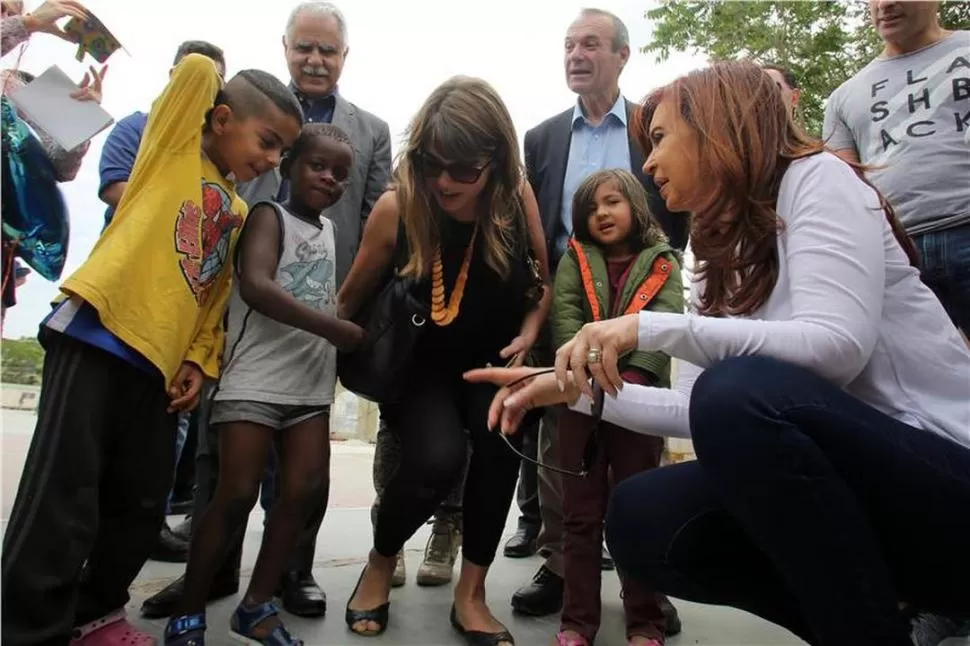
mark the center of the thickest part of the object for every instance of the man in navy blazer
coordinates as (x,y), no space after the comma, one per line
(560,153)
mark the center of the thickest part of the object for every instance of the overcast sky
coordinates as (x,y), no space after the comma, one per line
(399,52)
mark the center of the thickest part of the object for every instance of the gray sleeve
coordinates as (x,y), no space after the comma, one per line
(260,189)
(835,132)
(379,170)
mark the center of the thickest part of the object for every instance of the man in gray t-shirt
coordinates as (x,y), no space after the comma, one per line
(906,115)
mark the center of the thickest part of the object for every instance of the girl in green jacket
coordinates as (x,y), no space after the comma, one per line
(618,262)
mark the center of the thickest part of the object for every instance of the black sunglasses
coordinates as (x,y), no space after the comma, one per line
(592,443)
(431,168)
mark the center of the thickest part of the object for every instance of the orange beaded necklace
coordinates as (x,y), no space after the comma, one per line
(441,315)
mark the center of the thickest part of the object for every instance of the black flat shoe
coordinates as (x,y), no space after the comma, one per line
(378,615)
(477,637)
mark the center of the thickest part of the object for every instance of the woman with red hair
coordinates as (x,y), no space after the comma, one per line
(825,389)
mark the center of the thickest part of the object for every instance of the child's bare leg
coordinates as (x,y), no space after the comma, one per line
(305,480)
(242,455)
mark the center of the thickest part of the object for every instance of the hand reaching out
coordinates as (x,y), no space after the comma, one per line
(89,89)
(520,390)
(347,335)
(44,18)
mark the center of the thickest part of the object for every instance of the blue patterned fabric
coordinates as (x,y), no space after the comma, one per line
(35,216)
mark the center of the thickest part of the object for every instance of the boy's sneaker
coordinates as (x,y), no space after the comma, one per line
(400,576)
(927,629)
(187,630)
(441,551)
(111,630)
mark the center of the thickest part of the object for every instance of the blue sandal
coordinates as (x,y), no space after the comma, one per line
(187,630)
(244,620)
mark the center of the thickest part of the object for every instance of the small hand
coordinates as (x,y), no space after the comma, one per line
(45,18)
(88,90)
(516,351)
(185,388)
(612,338)
(512,402)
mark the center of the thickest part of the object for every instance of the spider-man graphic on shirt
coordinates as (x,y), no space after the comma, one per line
(203,237)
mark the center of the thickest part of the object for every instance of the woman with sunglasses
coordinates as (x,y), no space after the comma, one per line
(472,231)
(824,387)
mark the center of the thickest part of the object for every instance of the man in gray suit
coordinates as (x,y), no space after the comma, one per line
(316,48)
(315,43)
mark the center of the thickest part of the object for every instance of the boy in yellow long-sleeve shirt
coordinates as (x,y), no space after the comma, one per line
(128,348)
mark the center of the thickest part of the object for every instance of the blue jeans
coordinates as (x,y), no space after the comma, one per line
(945,256)
(184,420)
(805,506)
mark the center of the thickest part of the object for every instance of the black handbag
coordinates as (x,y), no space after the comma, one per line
(393,322)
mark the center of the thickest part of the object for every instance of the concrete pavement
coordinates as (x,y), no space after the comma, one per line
(418,615)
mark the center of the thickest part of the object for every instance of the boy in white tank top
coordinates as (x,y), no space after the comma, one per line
(277,384)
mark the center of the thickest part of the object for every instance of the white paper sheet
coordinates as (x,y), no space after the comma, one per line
(47,102)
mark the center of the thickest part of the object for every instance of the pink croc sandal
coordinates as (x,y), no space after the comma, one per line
(113,630)
(562,639)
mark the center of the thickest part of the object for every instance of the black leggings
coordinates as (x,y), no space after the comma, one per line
(430,423)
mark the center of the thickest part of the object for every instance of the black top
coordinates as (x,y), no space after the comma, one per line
(491,311)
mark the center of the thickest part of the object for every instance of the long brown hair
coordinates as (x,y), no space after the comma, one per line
(463,120)
(646,231)
(747,141)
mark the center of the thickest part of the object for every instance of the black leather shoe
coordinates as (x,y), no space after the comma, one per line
(302,596)
(541,597)
(522,544)
(170,548)
(162,604)
(670,614)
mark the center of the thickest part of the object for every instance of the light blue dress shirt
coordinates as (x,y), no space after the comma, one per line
(592,148)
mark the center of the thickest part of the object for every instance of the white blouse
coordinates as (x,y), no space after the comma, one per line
(847,305)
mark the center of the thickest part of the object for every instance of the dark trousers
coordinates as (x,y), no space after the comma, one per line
(805,506)
(93,492)
(527,493)
(620,453)
(206,478)
(431,423)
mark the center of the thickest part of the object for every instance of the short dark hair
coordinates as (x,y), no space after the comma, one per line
(790,79)
(312,131)
(247,91)
(207,49)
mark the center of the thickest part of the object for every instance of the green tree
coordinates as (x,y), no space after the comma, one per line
(22,361)
(822,43)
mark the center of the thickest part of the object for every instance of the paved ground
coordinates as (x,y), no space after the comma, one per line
(418,615)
